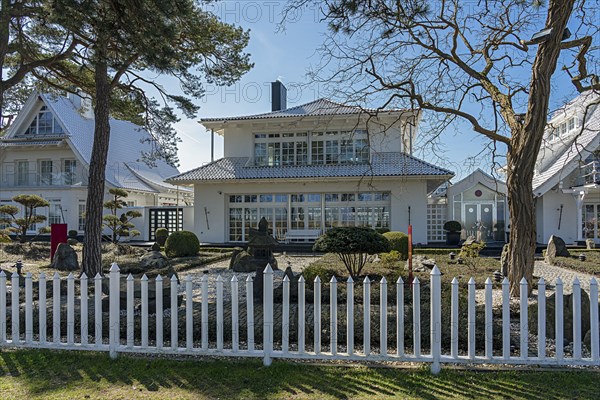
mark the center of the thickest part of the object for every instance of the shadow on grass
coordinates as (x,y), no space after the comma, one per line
(82,374)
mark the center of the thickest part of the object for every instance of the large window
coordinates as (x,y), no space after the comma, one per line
(300,148)
(44,123)
(54,212)
(81,216)
(306,211)
(69,170)
(46,172)
(22,173)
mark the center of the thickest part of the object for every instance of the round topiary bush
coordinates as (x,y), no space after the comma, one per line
(399,242)
(182,244)
(452,226)
(161,235)
(72,233)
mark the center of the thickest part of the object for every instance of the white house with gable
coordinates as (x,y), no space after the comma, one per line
(566,183)
(47,149)
(309,168)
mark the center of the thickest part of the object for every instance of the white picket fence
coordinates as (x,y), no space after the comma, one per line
(36,336)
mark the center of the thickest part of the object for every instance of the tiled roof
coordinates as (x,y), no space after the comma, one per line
(581,145)
(318,107)
(126,145)
(382,165)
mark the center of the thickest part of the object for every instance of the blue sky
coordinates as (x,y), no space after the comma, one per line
(288,55)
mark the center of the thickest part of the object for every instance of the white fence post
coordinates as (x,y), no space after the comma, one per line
(235,333)
(367,316)
(524,348)
(114,317)
(416,287)
(350,316)
(250,312)
(189,313)
(471,319)
(400,317)
(285,318)
(144,317)
(204,310)
(42,309)
(505,319)
(576,319)
(594,319)
(56,308)
(98,309)
(489,327)
(28,309)
(301,314)
(70,309)
(436,319)
(174,313)
(333,330)
(160,311)
(317,315)
(267,315)
(3,307)
(15,309)
(83,308)
(559,319)
(541,319)
(383,328)
(219,313)
(130,323)
(454,319)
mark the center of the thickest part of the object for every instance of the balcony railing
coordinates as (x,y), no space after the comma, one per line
(590,174)
(37,179)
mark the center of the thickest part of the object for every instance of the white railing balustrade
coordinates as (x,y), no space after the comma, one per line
(148,317)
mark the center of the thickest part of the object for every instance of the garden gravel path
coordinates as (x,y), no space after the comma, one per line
(550,273)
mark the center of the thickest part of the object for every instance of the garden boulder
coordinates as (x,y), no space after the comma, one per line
(65,258)
(556,248)
(153,260)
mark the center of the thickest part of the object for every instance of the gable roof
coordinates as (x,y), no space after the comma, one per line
(478,177)
(580,146)
(127,141)
(382,165)
(320,107)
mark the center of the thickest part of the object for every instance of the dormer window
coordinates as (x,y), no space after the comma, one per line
(562,129)
(44,123)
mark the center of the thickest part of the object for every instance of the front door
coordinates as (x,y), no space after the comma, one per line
(479,220)
(591,222)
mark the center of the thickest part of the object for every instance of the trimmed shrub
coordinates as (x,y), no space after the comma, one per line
(391,258)
(182,244)
(72,233)
(161,235)
(399,242)
(352,245)
(312,271)
(452,226)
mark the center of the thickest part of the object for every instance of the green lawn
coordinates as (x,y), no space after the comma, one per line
(62,375)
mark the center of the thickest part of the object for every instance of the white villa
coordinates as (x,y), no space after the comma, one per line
(309,168)
(566,183)
(47,149)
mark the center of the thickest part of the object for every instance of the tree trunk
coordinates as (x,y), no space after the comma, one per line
(92,256)
(4,30)
(524,148)
(522,225)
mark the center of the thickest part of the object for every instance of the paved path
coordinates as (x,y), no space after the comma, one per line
(550,273)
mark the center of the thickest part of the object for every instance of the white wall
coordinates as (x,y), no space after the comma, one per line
(211,199)
(550,212)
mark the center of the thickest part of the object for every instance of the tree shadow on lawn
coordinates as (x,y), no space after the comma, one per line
(44,373)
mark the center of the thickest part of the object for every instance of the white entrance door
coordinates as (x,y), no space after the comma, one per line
(591,222)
